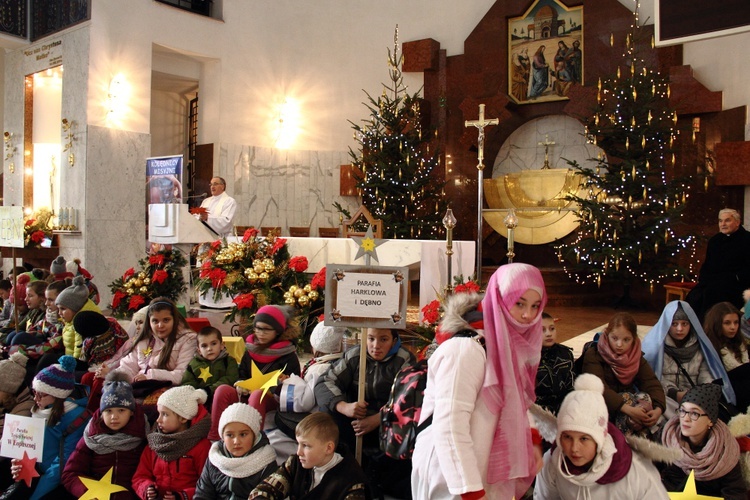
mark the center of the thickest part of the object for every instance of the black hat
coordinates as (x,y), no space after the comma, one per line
(90,323)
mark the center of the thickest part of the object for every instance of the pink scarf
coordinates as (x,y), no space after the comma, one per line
(513,353)
(714,461)
(626,365)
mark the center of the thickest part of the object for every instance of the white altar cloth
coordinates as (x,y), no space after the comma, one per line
(425,259)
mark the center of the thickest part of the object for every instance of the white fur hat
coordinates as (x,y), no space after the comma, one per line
(240,412)
(183,400)
(584,410)
(327,339)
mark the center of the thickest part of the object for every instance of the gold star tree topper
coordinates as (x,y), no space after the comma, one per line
(259,380)
(101,489)
(367,245)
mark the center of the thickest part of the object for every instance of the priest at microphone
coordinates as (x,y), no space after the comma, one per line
(220,208)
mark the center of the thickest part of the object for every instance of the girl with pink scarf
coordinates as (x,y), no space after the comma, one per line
(480,385)
(634,396)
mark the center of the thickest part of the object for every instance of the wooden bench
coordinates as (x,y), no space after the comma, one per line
(678,290)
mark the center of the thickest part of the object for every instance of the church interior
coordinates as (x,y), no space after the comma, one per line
(266,96)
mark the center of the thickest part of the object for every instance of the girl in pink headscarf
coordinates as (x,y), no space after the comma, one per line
(480,383)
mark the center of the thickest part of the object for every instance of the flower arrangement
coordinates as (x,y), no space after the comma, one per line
(432,313)
(160,275)
(36,228)
(258,271)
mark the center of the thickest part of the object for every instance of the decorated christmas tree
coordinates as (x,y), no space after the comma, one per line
(631,208)
(397,160)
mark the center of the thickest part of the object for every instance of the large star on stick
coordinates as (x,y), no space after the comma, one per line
(367,245)
(205,373)
(28,469)
(100,489)
(690,493)
(260,380)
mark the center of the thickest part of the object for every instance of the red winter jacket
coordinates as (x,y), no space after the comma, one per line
(85,462)
(179,475)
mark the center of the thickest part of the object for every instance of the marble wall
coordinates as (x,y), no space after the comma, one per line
(114,219)
(284,187)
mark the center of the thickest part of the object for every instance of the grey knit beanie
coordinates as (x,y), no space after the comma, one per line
(680,314)
(75,296)
(58,265)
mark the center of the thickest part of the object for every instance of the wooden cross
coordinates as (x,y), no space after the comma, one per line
(547,143)
(480,125)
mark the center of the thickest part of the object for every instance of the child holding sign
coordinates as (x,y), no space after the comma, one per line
(114,439)
(65,422)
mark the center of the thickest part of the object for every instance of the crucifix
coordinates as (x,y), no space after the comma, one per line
(480,124)
(547,143)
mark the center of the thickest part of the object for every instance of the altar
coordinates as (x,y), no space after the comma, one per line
(425,259)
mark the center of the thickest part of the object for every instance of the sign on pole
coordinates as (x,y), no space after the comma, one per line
(363,296)
(11,227)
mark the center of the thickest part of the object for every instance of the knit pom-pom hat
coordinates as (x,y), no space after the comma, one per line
(12,372)
(241,412)
(57,380)
(584,410)
(58,266)
(117,392)
(75,296)
(183,400)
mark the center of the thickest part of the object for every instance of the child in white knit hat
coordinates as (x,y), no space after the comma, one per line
(242,458)
(591,457)
(178,448)
(298,392)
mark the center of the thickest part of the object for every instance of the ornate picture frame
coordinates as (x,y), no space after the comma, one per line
(545,52)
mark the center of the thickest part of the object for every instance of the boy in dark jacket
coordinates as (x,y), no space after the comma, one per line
(316,471)
(554,378)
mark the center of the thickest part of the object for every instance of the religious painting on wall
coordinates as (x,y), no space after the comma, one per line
(545,48)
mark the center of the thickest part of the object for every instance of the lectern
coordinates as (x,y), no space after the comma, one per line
(173,224)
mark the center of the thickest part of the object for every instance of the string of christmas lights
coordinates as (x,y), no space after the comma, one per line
(628,218)
(397,161)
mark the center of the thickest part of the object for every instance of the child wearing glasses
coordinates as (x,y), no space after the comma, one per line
(271,346)
(708,447)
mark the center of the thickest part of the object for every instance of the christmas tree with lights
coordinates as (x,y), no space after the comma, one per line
(397,161)
(632,202)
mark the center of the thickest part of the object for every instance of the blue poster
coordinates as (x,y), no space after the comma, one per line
(164,179)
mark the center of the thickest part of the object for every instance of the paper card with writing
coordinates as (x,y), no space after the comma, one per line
(22,434)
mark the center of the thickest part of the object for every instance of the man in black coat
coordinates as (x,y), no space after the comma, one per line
(725,272)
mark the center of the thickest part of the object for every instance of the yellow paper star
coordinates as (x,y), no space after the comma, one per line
(260,380)
(147,352)
(205,373)
(368,244)
(101,489)
(690,493)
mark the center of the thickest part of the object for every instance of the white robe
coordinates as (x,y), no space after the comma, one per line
(221,211)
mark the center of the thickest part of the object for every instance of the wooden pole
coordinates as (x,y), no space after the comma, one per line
(15,291)
(361,386)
